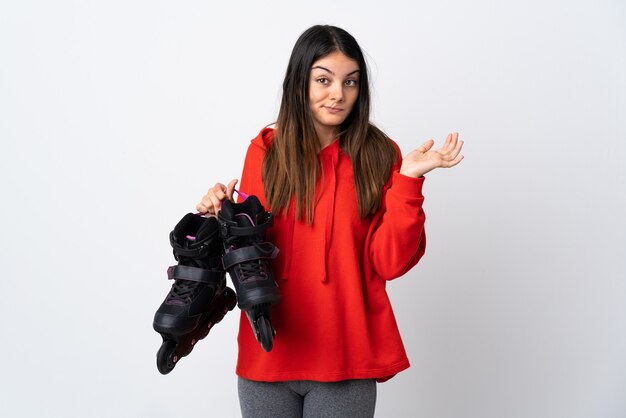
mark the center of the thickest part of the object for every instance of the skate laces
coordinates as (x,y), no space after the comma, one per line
(253,268)
(182,292)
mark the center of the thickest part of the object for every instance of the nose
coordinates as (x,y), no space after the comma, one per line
(336,92)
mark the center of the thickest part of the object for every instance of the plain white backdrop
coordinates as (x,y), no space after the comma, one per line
(117,116)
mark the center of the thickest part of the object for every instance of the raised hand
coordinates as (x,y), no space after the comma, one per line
(212,202)
(422,160)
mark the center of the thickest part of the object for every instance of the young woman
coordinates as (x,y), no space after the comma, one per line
(348,217)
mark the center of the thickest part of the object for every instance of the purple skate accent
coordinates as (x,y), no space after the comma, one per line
(247,216)
(190,238)
(242,194)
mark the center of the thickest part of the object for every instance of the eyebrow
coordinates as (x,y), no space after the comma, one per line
(326,69)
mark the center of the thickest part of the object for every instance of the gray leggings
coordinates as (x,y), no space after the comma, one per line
(307,399)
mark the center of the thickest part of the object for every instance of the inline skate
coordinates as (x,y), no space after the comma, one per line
(247,259)
(199,297)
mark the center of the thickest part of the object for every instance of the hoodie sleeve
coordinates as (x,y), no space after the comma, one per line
(398,240)
(251,182)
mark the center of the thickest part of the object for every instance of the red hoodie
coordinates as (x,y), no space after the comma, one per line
(335,321)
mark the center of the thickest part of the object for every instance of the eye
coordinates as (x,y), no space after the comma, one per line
(351,83)
(322,80)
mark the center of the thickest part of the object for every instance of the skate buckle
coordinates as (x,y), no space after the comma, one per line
(224,229)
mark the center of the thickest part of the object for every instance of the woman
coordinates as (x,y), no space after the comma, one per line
(348,217)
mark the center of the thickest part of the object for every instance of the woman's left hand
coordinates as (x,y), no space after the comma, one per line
(422,160)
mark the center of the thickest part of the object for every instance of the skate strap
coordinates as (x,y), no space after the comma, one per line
(194,274)
(201,250)
(230,228)
(265,250)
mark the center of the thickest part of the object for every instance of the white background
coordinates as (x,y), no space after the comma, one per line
(116,117)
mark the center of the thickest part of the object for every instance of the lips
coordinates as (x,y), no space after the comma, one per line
(333,110)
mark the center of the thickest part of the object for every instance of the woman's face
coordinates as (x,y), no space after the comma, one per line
(333,90)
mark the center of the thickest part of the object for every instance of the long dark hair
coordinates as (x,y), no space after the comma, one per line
(291,166)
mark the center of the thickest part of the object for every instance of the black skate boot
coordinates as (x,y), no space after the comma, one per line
(247,260)
(199,297)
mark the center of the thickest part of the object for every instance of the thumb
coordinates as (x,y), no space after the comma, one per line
(427,145)
(230,187)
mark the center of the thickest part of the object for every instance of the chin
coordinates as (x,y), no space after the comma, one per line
(334,122)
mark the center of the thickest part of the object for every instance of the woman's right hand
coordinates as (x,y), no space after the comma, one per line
(212,202)
(423,159)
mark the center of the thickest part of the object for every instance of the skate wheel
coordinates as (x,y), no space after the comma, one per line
(165,362)
(266,333)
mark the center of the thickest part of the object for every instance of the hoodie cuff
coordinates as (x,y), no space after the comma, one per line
(407,186)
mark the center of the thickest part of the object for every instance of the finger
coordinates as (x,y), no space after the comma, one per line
(230,189)
(446,143)
(454,162)
(205,206)
(216,204)
(451,142)
(200,208)
(456,151)
(426,145)
(219,191)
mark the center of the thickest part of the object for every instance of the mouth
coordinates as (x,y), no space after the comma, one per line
(333,109)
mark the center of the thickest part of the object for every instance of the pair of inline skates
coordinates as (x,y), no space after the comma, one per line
(205,248)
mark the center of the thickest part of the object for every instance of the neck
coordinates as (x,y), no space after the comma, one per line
(326,135)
